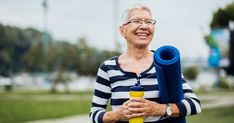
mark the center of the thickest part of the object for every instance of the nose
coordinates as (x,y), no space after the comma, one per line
(143,26)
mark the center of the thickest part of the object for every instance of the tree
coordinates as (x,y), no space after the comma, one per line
(13,45)
(221,19)
(191,72)
(222,16)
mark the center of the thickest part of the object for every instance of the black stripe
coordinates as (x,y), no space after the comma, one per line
(183,81)
(154,99)
(117,102)
(182,109)
(198,101)
(100,117)
(121,78)
(150,87)
(187,91)
(127,88)
(192,105)
(151,75)
(121,89)
(102,94)
(102,81)
(98,105)
(93,116)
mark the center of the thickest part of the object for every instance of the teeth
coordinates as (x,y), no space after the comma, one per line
(141,34)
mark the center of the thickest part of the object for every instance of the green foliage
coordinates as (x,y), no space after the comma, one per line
(13,45)
(21,107)
(24,50)
(191,72)
(223,83)
(217,115)
(222,16)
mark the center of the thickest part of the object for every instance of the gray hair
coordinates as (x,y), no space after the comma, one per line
(125,15)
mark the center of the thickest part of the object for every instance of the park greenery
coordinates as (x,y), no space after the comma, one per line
(191,72)
(24,50)
(222,18)
(23,106)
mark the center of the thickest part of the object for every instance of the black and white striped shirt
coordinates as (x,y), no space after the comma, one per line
(113,84)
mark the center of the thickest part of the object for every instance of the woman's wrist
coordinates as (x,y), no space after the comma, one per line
(111,117)
(175,110)
(160,110)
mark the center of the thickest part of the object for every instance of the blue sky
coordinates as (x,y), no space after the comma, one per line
(181,23)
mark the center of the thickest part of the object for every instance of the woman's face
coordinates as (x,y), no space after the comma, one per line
(136,32)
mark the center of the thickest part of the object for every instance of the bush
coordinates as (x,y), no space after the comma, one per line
(8,88)
(223,83)
(191,72)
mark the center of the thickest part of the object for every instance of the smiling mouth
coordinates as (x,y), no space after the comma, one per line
(142,34)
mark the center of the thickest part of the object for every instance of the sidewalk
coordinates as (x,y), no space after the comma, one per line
(70,119)
(214,101)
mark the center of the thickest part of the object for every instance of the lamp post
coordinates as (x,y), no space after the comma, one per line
(45,25)
(116,6)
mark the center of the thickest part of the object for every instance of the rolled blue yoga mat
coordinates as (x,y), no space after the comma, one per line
(168,71)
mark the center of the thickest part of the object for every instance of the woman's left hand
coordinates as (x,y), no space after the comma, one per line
(143,107)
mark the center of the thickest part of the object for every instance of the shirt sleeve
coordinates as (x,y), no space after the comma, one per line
(102,93)
(190,105)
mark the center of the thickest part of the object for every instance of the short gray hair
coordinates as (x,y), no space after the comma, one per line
(125,15)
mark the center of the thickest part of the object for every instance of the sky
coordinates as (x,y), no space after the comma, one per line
(181,23)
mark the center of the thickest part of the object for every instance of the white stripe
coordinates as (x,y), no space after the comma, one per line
(96,117)
(102,88)
(185,102)
(128,82)
(115,107)
(103,74)
(110,62)
(182,76)
(186,86)
(151,119)
(125,95)
(113,73)
(151,94)
(93,109)
(198,107)
(152,71)
(190,95)
(99,100)
(120,95)
(91,116)
(149,81)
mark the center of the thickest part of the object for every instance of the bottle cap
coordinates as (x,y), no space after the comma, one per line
(137,87)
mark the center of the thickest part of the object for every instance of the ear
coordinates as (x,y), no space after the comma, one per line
(122,31)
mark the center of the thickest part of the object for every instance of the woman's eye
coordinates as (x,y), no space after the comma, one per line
(137,21)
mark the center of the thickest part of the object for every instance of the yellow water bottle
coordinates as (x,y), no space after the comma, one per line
(137,91)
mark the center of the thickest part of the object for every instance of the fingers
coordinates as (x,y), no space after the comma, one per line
(138,115)
(140,99)
(135,107)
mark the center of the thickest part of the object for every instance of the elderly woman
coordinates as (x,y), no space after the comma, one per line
(116,75)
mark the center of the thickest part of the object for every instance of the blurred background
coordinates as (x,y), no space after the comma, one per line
(50,51)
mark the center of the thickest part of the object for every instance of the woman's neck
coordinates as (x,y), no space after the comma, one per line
(137,53)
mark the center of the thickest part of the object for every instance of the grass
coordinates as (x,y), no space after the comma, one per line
(27,106)
(22,106)
(217,115)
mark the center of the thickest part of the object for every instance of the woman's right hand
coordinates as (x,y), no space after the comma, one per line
(122,113)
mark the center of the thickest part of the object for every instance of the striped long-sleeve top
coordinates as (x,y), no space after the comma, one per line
(113,84)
